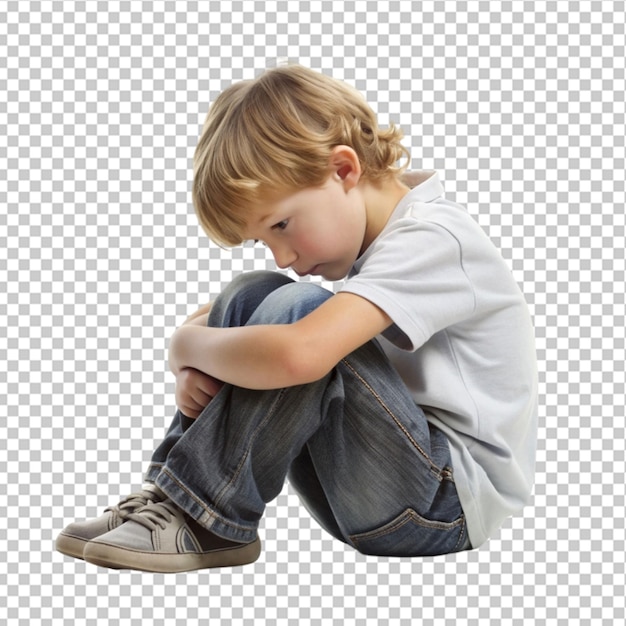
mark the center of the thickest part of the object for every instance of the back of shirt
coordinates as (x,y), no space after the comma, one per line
(463,342)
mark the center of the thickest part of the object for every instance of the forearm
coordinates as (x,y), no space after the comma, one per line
(255,357)
(281,355)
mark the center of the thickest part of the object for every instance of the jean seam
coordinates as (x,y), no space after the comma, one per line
(462,534)
(212,514)
(220,496)
(438,472)
(153,469)
(412,516)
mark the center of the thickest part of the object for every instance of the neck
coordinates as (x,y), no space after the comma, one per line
(381,199)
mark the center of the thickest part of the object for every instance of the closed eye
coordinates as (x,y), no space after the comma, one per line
(281,225)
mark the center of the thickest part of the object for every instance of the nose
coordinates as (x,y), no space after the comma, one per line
(283,256)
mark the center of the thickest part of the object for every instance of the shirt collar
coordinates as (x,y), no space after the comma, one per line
(427,189)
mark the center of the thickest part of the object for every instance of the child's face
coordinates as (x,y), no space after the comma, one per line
(318,231)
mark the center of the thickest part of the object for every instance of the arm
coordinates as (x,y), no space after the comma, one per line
(275,356)
(195,389)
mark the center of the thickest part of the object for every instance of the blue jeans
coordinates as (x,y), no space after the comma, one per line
(356,448)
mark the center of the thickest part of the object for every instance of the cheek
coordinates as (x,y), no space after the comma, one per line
(315,244)
(336,245)
(326,238)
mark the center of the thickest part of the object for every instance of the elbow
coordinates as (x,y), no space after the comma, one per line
(301,366)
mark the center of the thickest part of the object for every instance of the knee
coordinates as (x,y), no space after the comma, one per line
(256,284)
(289,303)
(240,299)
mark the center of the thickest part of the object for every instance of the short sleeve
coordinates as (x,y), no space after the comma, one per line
(414,272)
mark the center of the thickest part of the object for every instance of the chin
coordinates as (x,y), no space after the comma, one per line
(332,276)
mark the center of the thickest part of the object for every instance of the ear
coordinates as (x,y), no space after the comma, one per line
(345,165)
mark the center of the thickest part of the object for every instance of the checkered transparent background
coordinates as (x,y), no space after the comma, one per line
(520,107)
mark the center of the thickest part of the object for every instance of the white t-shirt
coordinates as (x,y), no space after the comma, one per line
(463,341)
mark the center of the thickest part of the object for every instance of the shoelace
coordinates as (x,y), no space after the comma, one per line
(155,514)
(134,502)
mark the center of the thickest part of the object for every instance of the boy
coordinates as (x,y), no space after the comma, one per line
(402,408)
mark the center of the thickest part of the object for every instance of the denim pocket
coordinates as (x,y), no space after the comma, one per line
(410,534)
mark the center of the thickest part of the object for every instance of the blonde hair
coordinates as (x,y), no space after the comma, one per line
(276,133)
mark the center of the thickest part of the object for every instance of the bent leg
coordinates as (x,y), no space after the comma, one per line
(376,474)
(233,307)
(235,456)
(362,455)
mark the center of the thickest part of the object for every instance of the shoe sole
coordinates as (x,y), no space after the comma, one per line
(70,546)
(114,557)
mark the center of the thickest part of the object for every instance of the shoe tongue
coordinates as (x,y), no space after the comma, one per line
(136,501)
(158,494)
(156,514)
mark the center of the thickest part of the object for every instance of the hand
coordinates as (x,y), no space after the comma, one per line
(194,391)
(179,343)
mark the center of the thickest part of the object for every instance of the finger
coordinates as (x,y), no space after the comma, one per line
(201,397)
(197,381)
(211,386)
(189,412)
(192,408)
(188,406)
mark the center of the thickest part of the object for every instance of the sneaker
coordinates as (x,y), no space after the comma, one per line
(160,537)
(73,539)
